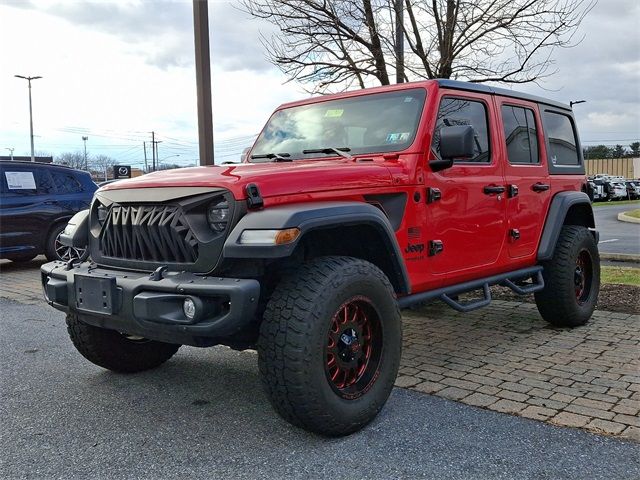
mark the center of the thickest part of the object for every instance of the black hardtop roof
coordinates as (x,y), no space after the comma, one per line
(481,88)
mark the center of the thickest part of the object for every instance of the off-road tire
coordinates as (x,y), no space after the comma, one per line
(292,347)
(559,302)
(114,351)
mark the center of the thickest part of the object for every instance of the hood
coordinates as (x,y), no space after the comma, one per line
(272,178)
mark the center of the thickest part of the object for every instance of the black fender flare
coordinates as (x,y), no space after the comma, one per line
(76,233)
(312,216)
(561,203)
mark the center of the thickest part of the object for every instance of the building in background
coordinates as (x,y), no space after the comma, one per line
(624,167)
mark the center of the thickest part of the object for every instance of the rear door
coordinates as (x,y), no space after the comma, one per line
(27,206)
(526,174)
(468,220)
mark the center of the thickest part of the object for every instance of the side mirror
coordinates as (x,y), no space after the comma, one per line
(455,142)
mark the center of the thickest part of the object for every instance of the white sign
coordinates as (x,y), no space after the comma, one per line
(20,180)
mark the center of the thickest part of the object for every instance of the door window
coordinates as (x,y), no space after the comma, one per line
(25,181)
(563,148)
(66,183)
(459,111)
(520,134)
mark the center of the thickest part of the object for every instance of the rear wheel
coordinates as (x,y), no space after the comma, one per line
(572,279)
(117,351)
(330,343)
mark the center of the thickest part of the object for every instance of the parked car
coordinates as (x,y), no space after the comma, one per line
(633,189)
(617,191)
(348,208)
(36,202)
(597,190)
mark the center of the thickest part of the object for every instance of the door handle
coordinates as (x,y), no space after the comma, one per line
(540,187)
(491,189)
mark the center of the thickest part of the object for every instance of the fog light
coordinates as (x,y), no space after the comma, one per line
(189,308)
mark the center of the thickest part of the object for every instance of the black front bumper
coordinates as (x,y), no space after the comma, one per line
(136,304)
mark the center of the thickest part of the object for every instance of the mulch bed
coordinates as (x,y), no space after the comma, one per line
(612,298)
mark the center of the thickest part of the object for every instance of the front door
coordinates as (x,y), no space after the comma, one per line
(468,220)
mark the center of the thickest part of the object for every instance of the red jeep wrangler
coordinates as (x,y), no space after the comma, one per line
(349,207)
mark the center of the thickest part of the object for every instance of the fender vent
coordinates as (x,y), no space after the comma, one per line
(154,233)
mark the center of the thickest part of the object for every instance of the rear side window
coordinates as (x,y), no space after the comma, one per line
(66,183)
(458,111)
(520,134)
(561,135)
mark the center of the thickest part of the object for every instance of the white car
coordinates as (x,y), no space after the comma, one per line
(617,191)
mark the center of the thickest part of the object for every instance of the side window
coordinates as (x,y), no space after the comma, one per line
(458,111)
(562,139)
(44,181)
(66,183)
(18,181)
(520,133)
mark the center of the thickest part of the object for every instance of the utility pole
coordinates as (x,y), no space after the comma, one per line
(144,147)
(399,41)
(203,80)
(28,79)
(86,165)
(11,149)
(153,149)
(157,155)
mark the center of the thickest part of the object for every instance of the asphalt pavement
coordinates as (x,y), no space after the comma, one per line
(203,415)
(616,236)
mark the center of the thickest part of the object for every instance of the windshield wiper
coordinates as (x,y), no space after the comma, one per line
(276,157)
(340,151)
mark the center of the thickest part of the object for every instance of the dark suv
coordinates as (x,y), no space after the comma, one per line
(36,202)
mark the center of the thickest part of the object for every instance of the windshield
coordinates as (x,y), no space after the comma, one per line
(380,122)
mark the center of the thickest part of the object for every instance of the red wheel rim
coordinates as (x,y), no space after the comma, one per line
(582,277)
(354,348)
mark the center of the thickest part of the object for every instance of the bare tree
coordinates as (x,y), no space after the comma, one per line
(71,159)
(102,164)
(332,45)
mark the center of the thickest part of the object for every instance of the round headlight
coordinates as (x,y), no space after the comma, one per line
(218,215)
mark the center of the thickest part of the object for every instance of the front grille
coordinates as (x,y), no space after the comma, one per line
(151,233)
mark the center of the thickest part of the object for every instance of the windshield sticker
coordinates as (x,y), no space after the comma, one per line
(20,180)
(398,137)
(335,113)
(408,99)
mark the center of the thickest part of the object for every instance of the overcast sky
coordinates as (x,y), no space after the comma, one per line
(116,70)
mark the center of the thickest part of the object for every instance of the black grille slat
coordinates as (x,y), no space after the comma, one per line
(151,233)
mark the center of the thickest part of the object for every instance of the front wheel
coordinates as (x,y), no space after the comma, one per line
(56,250)
(330,344)
(572,279)
(117,351)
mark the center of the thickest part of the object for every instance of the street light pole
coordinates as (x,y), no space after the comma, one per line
(28,79)
(11,149)
(84,139)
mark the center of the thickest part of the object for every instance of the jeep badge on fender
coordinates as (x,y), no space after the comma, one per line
(347,208)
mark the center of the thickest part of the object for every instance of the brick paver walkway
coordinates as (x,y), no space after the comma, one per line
(503,358)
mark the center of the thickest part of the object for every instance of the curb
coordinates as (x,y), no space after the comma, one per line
(621,257)
(623,217)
